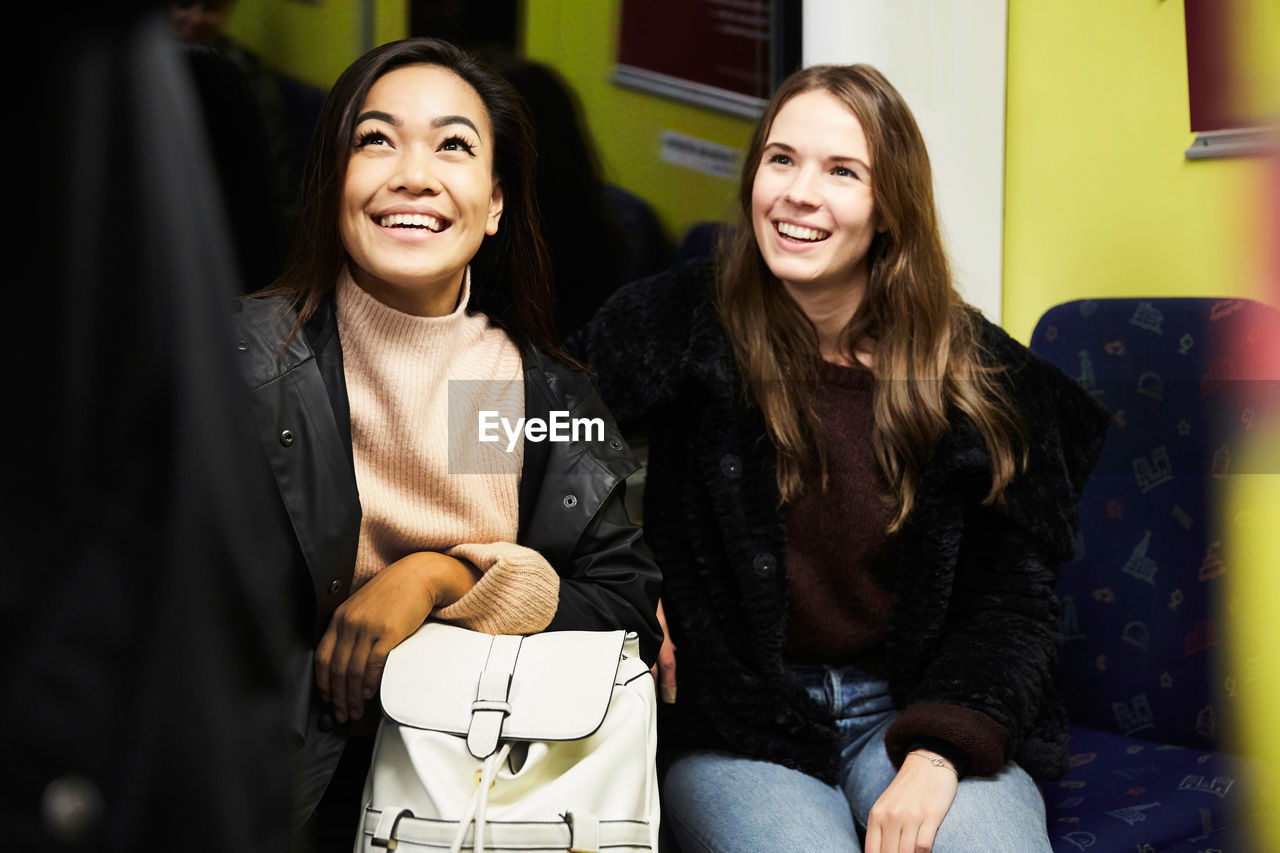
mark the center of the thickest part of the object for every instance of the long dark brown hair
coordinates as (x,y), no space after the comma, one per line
(926,356)
(511,273)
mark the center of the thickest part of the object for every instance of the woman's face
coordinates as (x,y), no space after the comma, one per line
(811,203)
(420,194)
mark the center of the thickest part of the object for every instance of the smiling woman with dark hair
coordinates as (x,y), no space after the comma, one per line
(859,493)
(511,270)
(416,299)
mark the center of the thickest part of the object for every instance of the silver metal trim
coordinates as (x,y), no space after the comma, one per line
(1239,142)
(700,94)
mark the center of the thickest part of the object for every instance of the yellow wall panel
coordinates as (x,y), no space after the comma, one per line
(579,39)
(313,42)
(1099,199)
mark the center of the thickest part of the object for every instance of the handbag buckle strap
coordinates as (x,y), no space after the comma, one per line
(384,833)
(584,832)
(493,688)
(491,705)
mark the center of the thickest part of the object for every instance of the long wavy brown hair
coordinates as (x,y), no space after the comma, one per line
(922,337)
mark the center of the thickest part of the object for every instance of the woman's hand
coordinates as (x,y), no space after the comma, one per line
(665,669)
(909,812)
(376,618)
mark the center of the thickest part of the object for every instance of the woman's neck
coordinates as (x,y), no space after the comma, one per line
(829,309)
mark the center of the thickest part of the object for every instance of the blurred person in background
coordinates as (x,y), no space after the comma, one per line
(247,124)
(594,251)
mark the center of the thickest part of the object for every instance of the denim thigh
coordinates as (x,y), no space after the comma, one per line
(718,802)
(1003,813)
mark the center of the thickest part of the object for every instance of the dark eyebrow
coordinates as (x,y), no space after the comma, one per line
(380,116)
(836,158)
(843,159)
(444,121)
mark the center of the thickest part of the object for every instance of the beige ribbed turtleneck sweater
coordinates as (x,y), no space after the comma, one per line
(416,385)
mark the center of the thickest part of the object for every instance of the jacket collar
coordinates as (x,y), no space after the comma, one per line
(321,331)
(550,385)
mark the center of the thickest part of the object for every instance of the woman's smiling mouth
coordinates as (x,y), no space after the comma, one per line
(800,232)
(413,220)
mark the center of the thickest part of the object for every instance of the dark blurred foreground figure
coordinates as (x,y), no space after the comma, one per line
(143,598)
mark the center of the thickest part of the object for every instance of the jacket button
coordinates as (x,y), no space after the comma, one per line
(570,501)
(286,438)
(764,564)
(325,723)
(615,444)
(731,466)
(72,809)
(335,587)
(242,345)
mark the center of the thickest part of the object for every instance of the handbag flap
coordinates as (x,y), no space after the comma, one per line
(560,686)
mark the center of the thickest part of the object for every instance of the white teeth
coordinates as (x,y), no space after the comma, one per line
(416,220)
(799,232)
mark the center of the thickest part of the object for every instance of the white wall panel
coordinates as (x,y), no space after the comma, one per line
(947,58)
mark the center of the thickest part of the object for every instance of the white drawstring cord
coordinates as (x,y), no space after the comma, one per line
(479,803)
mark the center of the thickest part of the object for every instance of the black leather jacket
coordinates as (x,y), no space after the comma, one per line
(571,505)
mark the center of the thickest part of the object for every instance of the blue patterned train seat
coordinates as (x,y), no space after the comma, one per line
(1147,677)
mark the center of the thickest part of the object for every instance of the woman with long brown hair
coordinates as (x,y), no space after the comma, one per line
(859,492)
(416,301)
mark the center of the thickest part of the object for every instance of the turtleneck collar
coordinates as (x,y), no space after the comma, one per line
(352,295)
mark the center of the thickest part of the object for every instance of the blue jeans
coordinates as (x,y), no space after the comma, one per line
(718,802)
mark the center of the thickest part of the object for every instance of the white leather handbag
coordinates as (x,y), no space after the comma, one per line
(508,743)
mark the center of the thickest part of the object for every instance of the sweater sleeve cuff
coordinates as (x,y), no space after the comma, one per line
(518,591)
(973,733)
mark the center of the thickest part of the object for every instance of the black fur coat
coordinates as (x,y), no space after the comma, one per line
(974,626)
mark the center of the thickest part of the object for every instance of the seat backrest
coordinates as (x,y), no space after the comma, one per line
(1144,602)
(701,240)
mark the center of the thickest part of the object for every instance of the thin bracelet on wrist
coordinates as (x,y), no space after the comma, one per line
(937,761)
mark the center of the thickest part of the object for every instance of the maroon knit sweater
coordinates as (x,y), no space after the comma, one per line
(838,556)
(839,569)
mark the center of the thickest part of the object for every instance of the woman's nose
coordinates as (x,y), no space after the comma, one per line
(803,188)
(416,172)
